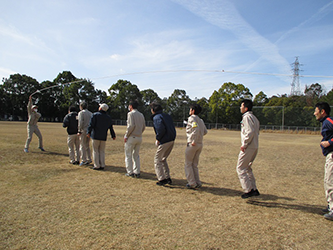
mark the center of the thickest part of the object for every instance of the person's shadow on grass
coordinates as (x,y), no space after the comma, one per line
(264,200)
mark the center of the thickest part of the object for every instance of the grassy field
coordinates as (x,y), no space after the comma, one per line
(46,203)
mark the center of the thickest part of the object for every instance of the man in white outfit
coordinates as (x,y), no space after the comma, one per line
(136,124)
(84,120)
(248,150)
(32,126)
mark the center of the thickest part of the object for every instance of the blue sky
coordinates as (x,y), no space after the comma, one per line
(170,44)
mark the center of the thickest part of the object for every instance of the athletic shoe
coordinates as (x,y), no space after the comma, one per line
(88,162)
(188,186)
(327,209)
(329,216)
(74,162)
(42,149)
(137,175)
(97,168)
(250,194)
(162,182)
(169,181)
(198,186)
(129,175)
(26,150)
(83,163)
(255,192)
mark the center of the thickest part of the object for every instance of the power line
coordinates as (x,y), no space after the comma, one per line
(209,71)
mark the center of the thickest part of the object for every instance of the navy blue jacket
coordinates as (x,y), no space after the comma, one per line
(100,122)
(164,128)
(71,122)
(327,133)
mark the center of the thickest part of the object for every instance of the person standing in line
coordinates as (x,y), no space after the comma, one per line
(322,112)
(98,128)
(195,130)
(165,136)
(32,127)
(71,123)
(84,120)
(248,151)
(136,124)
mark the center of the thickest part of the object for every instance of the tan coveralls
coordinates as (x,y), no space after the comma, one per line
(136,124)
(249,138)
(83,123)
(195,130)
(32,126)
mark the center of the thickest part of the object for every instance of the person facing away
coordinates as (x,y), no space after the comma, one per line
(195,130)
(249,148)
(98,128)
(71,123)
(165,136)
(32,127)
(83,123)
(322,114)
(136,124)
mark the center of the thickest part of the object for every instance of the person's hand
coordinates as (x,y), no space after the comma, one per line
(325,144)
(114,138)
(193,144)
(125,139)
(242,148)
(157,143)
(88,135)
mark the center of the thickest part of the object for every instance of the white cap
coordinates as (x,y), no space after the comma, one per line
(104,106)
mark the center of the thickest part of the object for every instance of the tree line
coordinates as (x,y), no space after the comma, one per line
(221,107)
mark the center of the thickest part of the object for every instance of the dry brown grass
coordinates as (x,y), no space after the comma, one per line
(45,203)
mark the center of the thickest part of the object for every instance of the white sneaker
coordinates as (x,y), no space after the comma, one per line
(329,216)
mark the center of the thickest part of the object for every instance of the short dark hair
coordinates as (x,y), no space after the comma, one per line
(248,104)
(72,109)
(155,106)
(196,107)
(134,104)
(84,105)
(324,106)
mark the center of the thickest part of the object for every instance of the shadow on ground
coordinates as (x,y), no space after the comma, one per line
(313,209)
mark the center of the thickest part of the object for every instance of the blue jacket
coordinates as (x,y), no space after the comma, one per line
(327,133)
(164,128)
(100,122)
(71,122)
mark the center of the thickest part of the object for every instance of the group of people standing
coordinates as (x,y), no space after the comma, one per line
(84,125)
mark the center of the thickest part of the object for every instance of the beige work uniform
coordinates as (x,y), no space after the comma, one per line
(136,124)
(83,123)
(195,130)
(250,140)
(32,126)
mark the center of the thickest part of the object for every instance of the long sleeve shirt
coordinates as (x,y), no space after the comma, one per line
(327,133)
(84,120)
(250,130)
(33,115)
(195,129)
(136,124)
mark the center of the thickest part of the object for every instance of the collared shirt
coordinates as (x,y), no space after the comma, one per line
(136,124)
(250,130)
(195,129)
